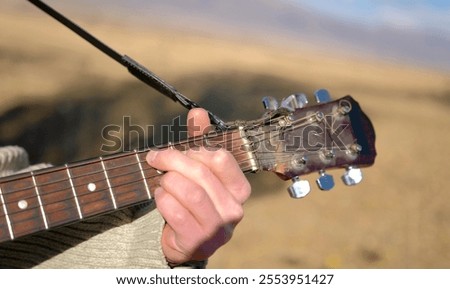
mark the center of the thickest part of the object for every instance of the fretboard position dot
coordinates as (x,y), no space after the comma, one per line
(23,204)
(91,187)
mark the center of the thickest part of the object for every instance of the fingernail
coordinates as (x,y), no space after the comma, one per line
(151,156)
(157,191)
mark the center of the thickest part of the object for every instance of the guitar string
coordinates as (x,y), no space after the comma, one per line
(46,193)
(153,173)
(181,143)
(38,217)
(92,173)
(73,207)
(142,179)
(132,154)
(90,162)
(134,172)
(118,194)
(139,180)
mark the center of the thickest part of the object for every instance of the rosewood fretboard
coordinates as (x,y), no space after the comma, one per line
(44,199)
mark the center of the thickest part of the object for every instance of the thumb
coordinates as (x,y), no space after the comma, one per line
(198,122)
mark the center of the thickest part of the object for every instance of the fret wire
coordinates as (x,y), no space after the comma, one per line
(109,184)
(153,176)
(87,203)
(70,207)
(156,175)
(142,173)
(113,187)
(44,217)
(71,177)
(73,192)
(100,171)
(121,166)
(186,141)
(244,152)
(81,195)
(243,168)
(8,221)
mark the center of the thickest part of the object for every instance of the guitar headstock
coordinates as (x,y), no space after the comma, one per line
(297,139)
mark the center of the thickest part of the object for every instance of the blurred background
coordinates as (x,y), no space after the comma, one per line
(57,93)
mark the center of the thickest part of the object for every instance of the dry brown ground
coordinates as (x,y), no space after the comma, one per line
(399,217)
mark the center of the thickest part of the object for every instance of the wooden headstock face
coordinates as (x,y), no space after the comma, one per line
(335,134)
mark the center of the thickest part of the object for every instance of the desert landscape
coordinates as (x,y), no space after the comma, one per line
(58,92)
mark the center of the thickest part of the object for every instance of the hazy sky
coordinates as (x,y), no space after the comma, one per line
(419,30)
(402,14)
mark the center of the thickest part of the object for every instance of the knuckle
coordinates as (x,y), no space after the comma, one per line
(235,214)
(197,195)
(209,231)
(246,190)
(220,158)
(242,191)
(159,158)
(201,171)
(239,214)
(179,217)
(168,179)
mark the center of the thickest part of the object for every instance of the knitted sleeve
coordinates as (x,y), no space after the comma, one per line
(128,238)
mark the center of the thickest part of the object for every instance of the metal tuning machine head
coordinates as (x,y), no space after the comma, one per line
(298,135)
(352,176)
(325,182)
(322,96)
(294,101)
(270,103)
(299,188)
(291,102)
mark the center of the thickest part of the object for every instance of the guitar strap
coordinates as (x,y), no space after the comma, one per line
(135,68)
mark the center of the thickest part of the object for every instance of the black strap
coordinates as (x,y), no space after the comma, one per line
(136,69)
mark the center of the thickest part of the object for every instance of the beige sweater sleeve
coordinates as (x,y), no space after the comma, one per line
(117,240)
(128,238)
(124,242)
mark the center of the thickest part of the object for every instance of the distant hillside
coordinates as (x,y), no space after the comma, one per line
(274,21)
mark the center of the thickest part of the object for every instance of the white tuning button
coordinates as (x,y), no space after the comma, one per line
(352,176)
(270,103)
(322,96)
(299,188)
(294,101)
(325,182)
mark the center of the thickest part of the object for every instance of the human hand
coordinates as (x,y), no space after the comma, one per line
(200,196)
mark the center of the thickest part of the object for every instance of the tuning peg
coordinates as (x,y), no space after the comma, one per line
(299,188)
(293,101)
(322,96)
(352,176)
(270,103)
(325,182)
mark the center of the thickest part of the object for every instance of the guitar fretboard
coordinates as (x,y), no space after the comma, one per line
(52,197)
(279,143)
